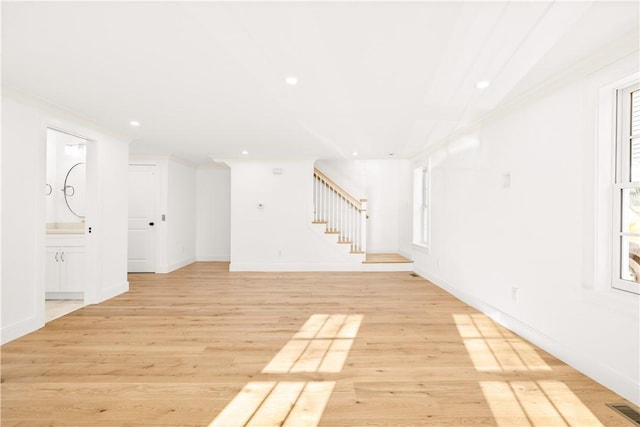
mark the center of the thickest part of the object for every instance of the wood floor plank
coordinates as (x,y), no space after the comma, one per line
(336,356)
(385,258)
(276,407)
(332,326)
(350,327)
(240,410)
(567,403)
(312,357)
(539,409)
(312,326)
(177,348)
(310,405)
(287,357)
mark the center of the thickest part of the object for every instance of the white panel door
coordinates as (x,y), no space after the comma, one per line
(144,188)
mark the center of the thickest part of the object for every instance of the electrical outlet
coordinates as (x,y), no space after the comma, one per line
(506,180)
(515,293)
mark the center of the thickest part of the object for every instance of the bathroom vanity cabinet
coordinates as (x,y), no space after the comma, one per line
(65,267)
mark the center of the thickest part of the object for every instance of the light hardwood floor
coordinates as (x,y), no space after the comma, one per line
(178,348)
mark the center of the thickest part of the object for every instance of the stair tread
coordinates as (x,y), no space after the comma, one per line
(386,258)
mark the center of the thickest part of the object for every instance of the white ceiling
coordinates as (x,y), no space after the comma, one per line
(208,78)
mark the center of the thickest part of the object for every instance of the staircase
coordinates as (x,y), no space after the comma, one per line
(343,216)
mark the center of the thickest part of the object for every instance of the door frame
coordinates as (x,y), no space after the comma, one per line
(92,242)
(160,223)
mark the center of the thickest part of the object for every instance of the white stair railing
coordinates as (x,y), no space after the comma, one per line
(342,213)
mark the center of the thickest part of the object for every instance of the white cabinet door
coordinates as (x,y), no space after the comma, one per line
(65,269)
(72,269)
(52,270)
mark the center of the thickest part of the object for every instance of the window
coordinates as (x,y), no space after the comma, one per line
(421,193)
(626,192)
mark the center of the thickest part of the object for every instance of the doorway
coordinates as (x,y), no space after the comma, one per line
(65,207)
(144,189)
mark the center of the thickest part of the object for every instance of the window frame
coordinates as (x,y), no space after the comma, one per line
(422,206)
(622,181)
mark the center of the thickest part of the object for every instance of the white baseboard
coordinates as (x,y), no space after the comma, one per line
(218,258)
(357,266)
(182,263)
(110,292)
(64,295)
(623,385)
(21,328)
(236,266)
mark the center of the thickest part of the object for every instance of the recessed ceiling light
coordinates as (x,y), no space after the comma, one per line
(245,152)
(291,80)
(355,153)
(134,123)
(483,84)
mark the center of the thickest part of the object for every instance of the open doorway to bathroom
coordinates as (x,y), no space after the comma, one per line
(65,192)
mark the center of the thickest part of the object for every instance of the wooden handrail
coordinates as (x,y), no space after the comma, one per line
(357,203)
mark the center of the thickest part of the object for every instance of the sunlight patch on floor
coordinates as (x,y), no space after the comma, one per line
(286,403)
(330,326)
(494,349)
(321,345)
(539,403)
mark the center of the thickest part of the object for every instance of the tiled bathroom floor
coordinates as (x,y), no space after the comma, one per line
(59,307)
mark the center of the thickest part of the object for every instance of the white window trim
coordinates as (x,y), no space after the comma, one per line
(599,279)
(617,282)
(621,182)
(420,207)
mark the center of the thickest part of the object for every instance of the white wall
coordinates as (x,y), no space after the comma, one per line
(213,213)
(386,184)
(538,235)
(107,215)
(278,237)
(1,234)
(181,214)
(23,222)
(24,123)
